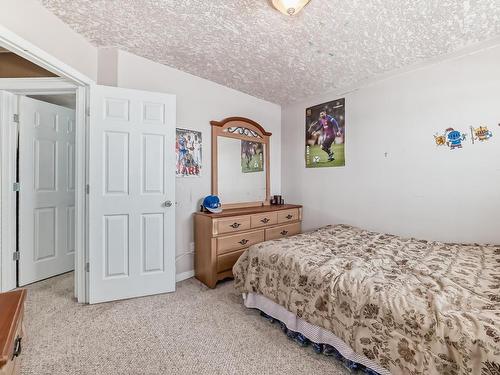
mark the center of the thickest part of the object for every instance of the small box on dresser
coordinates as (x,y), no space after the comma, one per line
(221,238)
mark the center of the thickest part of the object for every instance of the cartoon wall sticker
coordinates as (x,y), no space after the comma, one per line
(454,138)
(440,139)
(480,134)
(451,138)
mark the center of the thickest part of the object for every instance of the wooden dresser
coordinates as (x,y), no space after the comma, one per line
(11,330)
(221,238)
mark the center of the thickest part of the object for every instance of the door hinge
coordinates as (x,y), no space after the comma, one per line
(87,267)
(15,118)
(88,111)
(15,255)
(87,189)
(16,186)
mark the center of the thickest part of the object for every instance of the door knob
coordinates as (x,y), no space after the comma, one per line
(168,204)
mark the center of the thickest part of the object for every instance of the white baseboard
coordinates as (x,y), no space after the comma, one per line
(184,276)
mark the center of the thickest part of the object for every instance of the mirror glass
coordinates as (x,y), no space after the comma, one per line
(241,170)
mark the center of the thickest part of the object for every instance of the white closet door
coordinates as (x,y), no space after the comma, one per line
(47,195)
(132,194)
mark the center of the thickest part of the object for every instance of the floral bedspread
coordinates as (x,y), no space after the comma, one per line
(413,306)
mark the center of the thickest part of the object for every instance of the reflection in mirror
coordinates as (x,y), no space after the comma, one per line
(241,170)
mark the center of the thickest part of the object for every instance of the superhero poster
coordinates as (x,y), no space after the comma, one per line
(188,153)
(325,135)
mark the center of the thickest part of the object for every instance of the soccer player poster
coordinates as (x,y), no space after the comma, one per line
(252,157)
(325,134)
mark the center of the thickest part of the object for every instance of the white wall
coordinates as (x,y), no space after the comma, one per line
(198,102)
(107,64)
(418,189)
(34,23)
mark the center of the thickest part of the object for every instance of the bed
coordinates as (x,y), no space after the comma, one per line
(396,305)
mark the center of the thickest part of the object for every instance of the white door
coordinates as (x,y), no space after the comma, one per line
(47,195)
(132,194)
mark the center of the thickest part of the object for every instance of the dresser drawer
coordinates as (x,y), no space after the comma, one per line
(11,331)
(262,220)
(282,231)
(238,241)
(288,215)
(226,262)
(13,366)
(233,224)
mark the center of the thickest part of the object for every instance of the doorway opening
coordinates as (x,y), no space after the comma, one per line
(45,160)
(124,181)
(43,173)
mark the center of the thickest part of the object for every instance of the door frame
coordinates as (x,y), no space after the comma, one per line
(70,81)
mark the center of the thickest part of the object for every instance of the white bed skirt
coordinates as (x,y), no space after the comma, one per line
(314,333)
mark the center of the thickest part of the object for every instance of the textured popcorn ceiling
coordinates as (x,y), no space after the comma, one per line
(249,46)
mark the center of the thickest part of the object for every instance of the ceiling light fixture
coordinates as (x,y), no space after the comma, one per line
(290,7)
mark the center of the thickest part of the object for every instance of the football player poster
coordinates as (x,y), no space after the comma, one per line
(325,134)
(188,153)
(252,157)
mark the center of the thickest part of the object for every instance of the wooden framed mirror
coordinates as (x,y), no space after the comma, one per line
(240,163)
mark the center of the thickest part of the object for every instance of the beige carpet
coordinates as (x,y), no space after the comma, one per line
(192,331)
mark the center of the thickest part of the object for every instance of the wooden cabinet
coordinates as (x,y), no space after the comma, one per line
(11,331)
(221,238)
(233,224)
(288,216)
(238,241)
(226,262)
(264,220)
(282,231)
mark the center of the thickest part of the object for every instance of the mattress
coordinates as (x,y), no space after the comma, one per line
(410,306)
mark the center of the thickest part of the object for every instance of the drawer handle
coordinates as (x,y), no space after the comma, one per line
(235,225)
(243,241)
(289,216)
(284,232)
(265,220)
(17,347)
